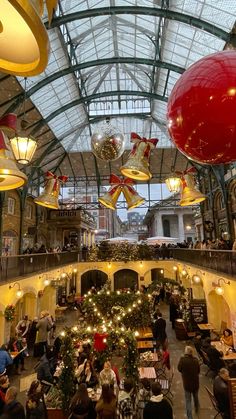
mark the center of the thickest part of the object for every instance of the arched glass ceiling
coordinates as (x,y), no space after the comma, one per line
(122,58)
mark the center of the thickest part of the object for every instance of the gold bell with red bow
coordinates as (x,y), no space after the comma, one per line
(133,199)
(24,41)
(190,195)
(137,165)
(49,197)
(118,185)
(110,198)
(10,176)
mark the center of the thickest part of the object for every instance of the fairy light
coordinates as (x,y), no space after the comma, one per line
(63,333)
(129,309)
(89,329)
(108,292)
(104,340)
(90,300)
(139,301)
(118,318)
(136,333)
(118,292)
(75,328)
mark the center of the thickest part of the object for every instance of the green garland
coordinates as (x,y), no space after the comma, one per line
(10,312)
(106,303)
(67,377)
(121,251)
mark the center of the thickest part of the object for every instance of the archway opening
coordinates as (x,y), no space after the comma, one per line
(125,278)
(94,278)
(218,311)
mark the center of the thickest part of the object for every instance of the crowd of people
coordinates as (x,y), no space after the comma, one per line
(116,397)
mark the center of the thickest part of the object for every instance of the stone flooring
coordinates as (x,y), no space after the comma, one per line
(176,348)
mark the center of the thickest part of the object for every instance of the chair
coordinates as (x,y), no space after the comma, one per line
(166,384)
(206,361)
(214,402)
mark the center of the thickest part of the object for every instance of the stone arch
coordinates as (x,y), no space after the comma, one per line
(218,310)
(92,278)
(125,278)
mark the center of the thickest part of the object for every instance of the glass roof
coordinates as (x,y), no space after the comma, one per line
(121,59)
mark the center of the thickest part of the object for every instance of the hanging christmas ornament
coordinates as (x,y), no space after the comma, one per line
(118,185)
(190,195)
(10,176)
(99,342)
(137,165)
(108,143)
(24,42)
(49,197)
(201,110)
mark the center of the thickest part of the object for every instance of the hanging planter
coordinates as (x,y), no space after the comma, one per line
(10,312)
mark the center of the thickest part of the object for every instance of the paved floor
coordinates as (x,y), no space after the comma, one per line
(176,348)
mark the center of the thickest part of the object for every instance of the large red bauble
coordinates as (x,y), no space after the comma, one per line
(201,110)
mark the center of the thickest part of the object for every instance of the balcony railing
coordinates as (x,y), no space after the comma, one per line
(17,266)
(222,261)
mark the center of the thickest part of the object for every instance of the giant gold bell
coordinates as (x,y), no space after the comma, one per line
(133,199)
(190,195)
(24,42)
(49,197)
(137,166)
(110,198)
(10,176)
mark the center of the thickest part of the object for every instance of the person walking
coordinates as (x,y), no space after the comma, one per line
(159,331)
(43,326)
(157,406)
(189,367)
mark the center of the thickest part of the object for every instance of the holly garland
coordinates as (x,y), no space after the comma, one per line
(10,312)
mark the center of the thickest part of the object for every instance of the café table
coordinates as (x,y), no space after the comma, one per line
(147,372)
(145,333)
(205,326)
(151,361)
(222,347)
(145,345)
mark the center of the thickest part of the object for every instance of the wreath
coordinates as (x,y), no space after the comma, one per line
(10,312)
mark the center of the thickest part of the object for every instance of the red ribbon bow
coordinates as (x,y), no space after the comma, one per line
(118,182)
(8,124)
(151,142)
(62,179)
(189,171)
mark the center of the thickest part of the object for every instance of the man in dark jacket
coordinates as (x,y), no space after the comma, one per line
(43,369)
(159,330)
(157,406)
(221,392)
(190,369)
(13,409)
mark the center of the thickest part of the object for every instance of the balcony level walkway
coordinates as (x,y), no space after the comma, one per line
(176,348)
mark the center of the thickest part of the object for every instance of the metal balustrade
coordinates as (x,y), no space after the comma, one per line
(12,267)
(222,261)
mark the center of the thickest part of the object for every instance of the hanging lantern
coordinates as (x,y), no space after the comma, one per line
(49,197)
(190,195)
(23,148)
(173,183)
(24,42)
(137,165)
(10,176)
(108,143)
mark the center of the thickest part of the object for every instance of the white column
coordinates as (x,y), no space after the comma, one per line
(181,227)
(158,225)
